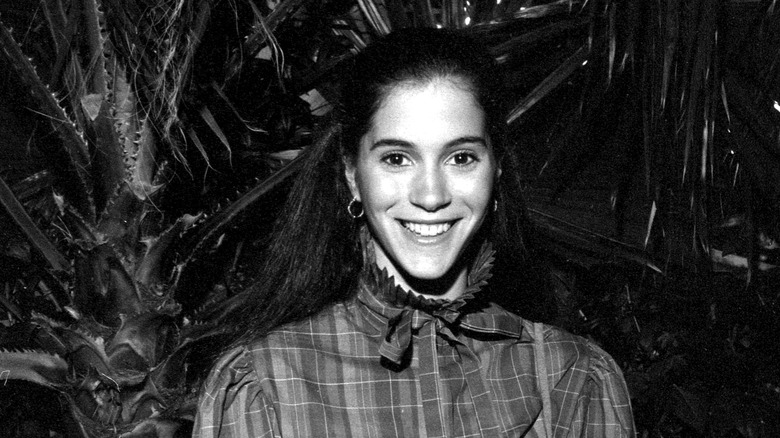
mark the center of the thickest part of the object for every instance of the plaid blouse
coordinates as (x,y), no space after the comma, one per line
(391,364)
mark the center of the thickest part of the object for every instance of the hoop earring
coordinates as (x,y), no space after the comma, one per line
(351,208)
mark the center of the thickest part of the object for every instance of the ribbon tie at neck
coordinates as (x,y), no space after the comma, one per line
(406,313)
(400,328)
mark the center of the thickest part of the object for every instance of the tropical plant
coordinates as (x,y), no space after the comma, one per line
(668,159)
(149,143)
(106,174)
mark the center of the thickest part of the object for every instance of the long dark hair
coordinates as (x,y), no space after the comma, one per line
(315,256)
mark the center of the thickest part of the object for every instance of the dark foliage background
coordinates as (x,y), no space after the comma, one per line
(146,146)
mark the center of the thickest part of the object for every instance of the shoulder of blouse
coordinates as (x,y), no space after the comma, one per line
(603,399)
(574,348)
(233,367)
(231,386)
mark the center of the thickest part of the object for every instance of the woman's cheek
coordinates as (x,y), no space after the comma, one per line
(384,188)
(475,190)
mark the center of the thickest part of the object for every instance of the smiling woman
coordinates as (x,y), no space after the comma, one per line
(372,316)
(425,173)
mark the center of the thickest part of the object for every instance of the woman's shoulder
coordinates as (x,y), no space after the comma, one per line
(572,350)
(231,381)
(243,364)
(235,367)
(579,366)
(232,400)
(564,346)
(556,338)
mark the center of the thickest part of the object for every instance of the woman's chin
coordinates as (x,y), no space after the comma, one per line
(425,272)
(433,274)
(436,281)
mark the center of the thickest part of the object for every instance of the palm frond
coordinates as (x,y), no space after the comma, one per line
(562,73)
(73,158)
(38,367)
(39,241)
(374,14)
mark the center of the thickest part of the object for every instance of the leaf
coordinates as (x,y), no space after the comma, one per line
(149,269)
(563,72)
(149,335)
(108,168)
(282,10)
(587,244)
(612,37)
(34,235)
(140,405)
(172,371)
(375,18)
(452,13)
(144,165)
(265,27)
(96,46)
(266,35)
(530,39)
(208,117)
(91,103)
(85,352)
(12,308)
(546,10)
(199,145)
(105,146)
(123,104)
(103,288)
(650,221)
(477,278)
(73,168)
(702,43)
(670,29)
(38,367)
(62,29)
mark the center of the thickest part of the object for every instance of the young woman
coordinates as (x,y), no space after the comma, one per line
(370,319)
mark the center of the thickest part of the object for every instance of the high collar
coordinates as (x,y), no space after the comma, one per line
(397,313)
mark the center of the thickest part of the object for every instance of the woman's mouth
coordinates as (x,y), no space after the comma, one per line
(427,230)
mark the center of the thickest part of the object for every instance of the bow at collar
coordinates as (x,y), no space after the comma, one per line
(398,313)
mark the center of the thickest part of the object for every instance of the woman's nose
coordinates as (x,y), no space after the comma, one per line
(430,190)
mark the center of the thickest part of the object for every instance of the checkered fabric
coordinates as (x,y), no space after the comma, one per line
(389,364)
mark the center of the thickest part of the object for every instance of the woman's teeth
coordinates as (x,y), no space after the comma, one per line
(427,230)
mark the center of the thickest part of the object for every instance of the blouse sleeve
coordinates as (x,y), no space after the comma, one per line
(232,404)
(604,406)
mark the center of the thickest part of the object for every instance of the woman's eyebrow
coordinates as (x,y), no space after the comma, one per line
(393,142)
(467,139)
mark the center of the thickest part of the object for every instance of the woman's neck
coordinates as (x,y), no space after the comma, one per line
(449,287)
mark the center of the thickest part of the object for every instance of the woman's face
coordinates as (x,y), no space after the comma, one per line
(424,174)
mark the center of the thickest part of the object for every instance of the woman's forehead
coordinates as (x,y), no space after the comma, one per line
(438,80)
(424,100)
(432,115)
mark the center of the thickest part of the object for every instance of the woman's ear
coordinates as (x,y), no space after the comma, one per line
(350,171)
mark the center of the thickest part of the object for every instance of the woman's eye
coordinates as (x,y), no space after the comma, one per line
(463,159)
(395,160)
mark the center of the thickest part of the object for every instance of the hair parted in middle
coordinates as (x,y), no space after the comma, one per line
(315,254)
